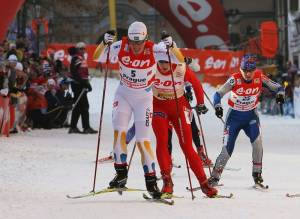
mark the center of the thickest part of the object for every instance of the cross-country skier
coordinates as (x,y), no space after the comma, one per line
(245,87)
(165,111)
(137,65)
(195,131)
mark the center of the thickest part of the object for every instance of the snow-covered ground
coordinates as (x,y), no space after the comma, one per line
(38,169)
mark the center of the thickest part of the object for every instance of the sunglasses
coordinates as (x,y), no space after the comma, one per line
(163,62)
(136,42)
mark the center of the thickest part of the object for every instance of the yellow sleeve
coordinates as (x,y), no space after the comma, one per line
(177,53)
(98,51)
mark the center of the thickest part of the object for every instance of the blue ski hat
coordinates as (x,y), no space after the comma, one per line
(248,62)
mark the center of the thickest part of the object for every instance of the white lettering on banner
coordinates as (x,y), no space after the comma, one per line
(204,11)
(235,61)
(199,15)
(210,40)
(215,64)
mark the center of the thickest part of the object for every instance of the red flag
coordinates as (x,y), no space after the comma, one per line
(8,10)
(269,39)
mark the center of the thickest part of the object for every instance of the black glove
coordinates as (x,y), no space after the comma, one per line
(201,109)
(167,39)
(188,60)
(219,111)
(188,93)
(280,98)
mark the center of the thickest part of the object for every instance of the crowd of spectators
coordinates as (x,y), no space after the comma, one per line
(37,87)
(290,79)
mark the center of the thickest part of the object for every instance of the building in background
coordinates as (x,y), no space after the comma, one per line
(217,24)
(294,31)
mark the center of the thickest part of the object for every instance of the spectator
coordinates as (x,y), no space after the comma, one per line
(3,81)
(80,86)
(2,56)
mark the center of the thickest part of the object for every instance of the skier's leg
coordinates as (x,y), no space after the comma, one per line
(170,146)
(197,141)
(253,132)
(195,134)
(184,134)
(160,125)
(121,116)
(142,110)
(231,131)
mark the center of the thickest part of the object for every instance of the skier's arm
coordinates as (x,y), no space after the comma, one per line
(271,85)
(196,84)
(101,51)
(275,88)
(225,88)
(175,54)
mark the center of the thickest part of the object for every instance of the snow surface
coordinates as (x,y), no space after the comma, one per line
(38,169)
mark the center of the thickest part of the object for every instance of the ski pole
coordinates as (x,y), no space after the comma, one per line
(54,110)
(203,140)
(212,104)
(133,150)
(79,97)
(177,112)
(101,117)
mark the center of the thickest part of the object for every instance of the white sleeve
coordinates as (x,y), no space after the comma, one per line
(114,51)
(225,88)
(161,54)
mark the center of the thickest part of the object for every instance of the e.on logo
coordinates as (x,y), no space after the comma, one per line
(136,63)
(215,64)
(248,91)
(194,14)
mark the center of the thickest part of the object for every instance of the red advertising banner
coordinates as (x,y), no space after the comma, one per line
(8,10)
(213,64)
(200,23)
(4,116)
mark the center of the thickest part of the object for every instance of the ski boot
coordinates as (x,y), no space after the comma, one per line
(213,181)
(208,190)
(206,162)
(257,177)
(151,186)
(120,180)
(168,184)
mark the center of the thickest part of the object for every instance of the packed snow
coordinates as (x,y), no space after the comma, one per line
(39,168)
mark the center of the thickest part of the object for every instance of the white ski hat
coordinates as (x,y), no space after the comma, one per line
(160,53)
(137,31)
(80,45)
(12,58)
